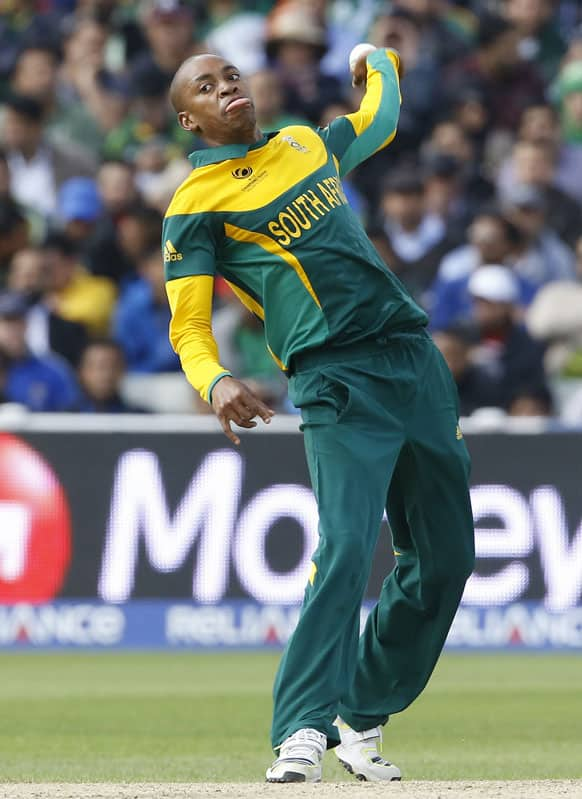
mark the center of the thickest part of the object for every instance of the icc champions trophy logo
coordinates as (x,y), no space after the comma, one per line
(35,525)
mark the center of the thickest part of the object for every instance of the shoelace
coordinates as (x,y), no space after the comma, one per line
(302,743)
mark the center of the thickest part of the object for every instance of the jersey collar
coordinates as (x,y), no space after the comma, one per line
(214,155)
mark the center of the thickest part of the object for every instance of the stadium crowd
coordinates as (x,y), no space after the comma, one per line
(476,205)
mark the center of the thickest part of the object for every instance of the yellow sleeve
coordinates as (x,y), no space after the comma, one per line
(191,336)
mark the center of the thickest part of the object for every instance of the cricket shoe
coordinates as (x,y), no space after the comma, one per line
(300,757)
(359,753)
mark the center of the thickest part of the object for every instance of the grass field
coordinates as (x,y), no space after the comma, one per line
(171,717)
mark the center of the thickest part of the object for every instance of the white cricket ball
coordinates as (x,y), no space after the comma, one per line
(362,49)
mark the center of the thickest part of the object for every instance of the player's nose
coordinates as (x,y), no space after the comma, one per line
(228,87)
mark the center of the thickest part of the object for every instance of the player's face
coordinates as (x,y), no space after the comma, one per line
(218,102)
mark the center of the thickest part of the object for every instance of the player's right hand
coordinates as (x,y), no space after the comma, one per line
(232,401)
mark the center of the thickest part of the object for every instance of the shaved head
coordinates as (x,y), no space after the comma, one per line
(187,73)
(213,101)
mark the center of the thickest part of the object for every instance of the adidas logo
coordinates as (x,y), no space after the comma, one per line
(170,252)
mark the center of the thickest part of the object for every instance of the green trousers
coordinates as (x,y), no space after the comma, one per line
(380,422)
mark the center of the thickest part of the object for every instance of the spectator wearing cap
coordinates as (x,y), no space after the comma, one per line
(79,208)
(541,255)
(142,317)
(505,350)
(492,239)
(74,293)
(411,240)
(496,69)
(296,41)
(39,383)
(38,167)
(540,40)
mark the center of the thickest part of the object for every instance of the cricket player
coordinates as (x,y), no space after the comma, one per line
(378,404)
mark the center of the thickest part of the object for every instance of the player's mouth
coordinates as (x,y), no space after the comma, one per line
(236,104)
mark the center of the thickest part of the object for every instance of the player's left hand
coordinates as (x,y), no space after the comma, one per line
(232,401)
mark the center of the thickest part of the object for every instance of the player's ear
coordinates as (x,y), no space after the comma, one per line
(187,121)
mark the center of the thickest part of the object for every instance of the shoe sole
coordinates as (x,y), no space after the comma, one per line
(362,777)
(290,776)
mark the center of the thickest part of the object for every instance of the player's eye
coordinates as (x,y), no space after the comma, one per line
(205,88)
(234,76)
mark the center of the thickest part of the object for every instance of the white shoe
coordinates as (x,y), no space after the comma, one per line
(359,753)
(300,757)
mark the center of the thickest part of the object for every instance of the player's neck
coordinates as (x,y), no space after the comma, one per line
(251,136)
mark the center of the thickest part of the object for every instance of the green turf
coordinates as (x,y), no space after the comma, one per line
(185,717)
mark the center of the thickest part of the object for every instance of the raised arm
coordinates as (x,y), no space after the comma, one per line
(355,137)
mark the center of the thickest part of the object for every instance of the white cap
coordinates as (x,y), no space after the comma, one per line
(494,283)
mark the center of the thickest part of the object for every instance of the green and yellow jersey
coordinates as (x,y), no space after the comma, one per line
(273,220)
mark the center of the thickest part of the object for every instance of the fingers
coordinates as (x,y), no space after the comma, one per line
(228,431)
(234,402)
(263,411)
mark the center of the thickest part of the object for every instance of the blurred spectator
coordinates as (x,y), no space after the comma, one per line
(540,124)
(534,401)
(540,40)
(476,389)
(150,121)
(40,383)
(79,207)
(116,183)
(295,44)
(237,32)
(495,69)
(91,99)
(35,73)
(555,317)
(534,164)
(13,233)
(492,240)
(569,93)
(505,351)
(142,319)
(121,239)
(169,28)
(449,139)
(46,331)
(101,371)
(441,39)
(37,167)
(267,94)
(541,255)
(411,240)
(74,293)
